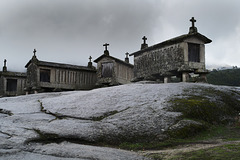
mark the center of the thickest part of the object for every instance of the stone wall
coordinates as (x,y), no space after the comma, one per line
(60,79)
(32,76)
(124,73)
(1,86)
(159,61)
(68,79)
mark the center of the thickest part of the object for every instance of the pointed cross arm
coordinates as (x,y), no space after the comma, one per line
(90,58)
(5,62)
(193,21)
(34,51)
(144,40)
(105,45)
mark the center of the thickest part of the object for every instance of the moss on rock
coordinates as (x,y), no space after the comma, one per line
(185,128)
(208,105)
(203,107)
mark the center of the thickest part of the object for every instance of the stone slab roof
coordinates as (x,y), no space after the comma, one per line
(61,65)
(174,41)
(13,74)
(116,59)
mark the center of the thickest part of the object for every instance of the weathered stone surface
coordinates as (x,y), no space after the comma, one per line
(63,125)
(69,151)
(174,57)
(158,61)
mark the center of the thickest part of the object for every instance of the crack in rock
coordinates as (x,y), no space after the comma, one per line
(4,111)
(7,134)
(9,151)
(57,115)
(61,116)
(47,138)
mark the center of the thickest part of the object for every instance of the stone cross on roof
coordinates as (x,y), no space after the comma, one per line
(192,29)
(5,66)
(34,52)
(193,21)
(144,45)
(90,62)
(127,54)
(126,58)
(144,40)
(105,45)
(106,52)
(90,59)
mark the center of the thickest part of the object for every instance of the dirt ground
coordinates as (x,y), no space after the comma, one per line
(168,153)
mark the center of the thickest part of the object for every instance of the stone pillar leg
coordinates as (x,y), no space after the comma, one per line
(203,78)
(185,77)
(166,79)
(27,93)
(35,92)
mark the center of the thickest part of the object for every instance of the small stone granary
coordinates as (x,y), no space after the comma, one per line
(113,71)
(11,83)
(182,58)
(179,57)
(45,76)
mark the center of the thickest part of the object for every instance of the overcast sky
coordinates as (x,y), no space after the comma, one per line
(69,31)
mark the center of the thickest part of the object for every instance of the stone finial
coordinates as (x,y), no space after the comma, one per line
(34,57)
(90,59)
(193,29)
(34,52)
(144,45)
(126,58)
(5,66)
(5,62)
(144,40)
(106,52)
(90,62)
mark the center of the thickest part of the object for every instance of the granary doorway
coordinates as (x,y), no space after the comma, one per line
(44,75)
(193,52)
(11,85)
(107,69)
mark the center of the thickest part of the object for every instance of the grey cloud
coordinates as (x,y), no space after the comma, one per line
(70,30)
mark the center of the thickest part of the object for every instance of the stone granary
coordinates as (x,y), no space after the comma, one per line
(45,76)
(11,83)
(113,71)
(178,57)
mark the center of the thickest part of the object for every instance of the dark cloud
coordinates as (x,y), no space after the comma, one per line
(70,31)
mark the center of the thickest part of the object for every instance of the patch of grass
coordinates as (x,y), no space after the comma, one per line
(228,151)
(207,105)
(226,133)
(195,107)
(214,133)
(147,146)
(186,129)
(215,109)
